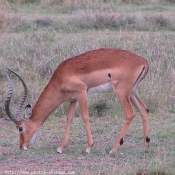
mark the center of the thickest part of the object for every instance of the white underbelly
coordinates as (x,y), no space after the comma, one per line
(104,88)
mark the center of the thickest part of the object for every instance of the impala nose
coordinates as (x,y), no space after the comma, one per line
(24,148)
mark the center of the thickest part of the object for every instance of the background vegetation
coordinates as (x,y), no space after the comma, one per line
(36,35)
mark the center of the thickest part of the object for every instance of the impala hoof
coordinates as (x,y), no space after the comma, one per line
(113,150)
(24,148)
(110,152)
(59,150)
(88,150)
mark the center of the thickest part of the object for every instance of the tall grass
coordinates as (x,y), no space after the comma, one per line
(8,20)
(46,50)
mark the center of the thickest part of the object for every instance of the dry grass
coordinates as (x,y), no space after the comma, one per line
(4,11)
(8,20)
(35,51)
(104,17)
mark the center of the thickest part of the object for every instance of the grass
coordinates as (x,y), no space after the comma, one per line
(132,158)
(42,37)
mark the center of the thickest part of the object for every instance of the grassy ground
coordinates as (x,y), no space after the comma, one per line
(36,37)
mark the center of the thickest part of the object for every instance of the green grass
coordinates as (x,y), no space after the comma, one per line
(42,37)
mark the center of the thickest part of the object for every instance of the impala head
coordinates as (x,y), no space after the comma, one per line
(25,130)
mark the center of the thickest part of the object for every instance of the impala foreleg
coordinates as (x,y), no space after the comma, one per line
(71,113)
(138,103)
(85,114)
(124,99)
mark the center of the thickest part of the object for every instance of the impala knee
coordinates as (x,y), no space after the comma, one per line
(129,118)
(86,120)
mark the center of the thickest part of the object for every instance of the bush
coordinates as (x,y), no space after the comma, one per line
(133,1)
(51,2)
(170,1)
(100,107)
(159,22)
(104,19)
(28,1)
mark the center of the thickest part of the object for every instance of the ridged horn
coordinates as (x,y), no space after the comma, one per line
(7,102)
(21,103)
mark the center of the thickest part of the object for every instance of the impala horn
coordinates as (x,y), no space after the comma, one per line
(16,118)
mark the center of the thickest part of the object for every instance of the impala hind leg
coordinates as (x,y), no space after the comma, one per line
(138,103)
(71,113)
(124,99)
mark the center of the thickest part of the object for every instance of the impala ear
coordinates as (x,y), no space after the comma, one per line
(28,112)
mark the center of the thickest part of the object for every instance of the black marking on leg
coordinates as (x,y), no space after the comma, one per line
(147,110)
(109,75)
(147,139)
(121,141)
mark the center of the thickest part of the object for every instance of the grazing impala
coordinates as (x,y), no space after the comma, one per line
(102,70)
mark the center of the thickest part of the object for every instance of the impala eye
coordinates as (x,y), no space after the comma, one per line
(20,129)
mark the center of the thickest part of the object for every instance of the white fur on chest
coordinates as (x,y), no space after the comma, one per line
(101,89)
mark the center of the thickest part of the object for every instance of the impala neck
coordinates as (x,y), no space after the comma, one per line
(48,101)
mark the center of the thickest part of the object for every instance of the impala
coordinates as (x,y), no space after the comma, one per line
(103,70)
